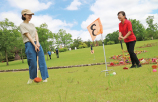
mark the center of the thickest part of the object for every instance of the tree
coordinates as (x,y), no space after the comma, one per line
(45,36)
(8,36)
(20,45)
(77,42)
(112,37)
(82,45)
(138,29)
(152,28)
(63,38)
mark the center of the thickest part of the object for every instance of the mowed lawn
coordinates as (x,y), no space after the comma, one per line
(82,84)
(83,56)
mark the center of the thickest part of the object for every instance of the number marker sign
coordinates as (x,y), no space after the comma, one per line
(95,28)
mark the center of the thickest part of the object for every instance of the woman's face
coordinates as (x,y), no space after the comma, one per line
(121,17)
(28,17)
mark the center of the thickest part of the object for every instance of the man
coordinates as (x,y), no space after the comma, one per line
(57,52)
(92,51)
(49,53)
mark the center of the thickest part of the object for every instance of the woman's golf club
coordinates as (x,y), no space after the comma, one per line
(37,79)
(123,56)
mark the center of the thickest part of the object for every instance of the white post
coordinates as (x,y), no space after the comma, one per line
(104,52)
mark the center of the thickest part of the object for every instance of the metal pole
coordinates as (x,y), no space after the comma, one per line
(94,56)
(106,71)
(104,52)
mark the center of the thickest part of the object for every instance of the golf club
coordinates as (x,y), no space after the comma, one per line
(37,79)
(123,56)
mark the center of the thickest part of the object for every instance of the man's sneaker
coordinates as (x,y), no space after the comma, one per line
(29,81)
(45,80)
(139,65)
(133,66)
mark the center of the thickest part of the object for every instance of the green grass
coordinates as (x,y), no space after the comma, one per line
(83,56)
(82,84)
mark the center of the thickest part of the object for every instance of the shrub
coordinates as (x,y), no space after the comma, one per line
(63,49)
(110,42)
(82,45)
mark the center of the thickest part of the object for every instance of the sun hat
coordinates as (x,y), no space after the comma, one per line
(26,11)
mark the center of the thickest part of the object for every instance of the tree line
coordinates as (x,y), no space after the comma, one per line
(11,41)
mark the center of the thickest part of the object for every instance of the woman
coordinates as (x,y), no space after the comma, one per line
(126,33)
(32,47)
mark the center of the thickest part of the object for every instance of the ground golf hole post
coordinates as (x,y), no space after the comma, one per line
(106,71)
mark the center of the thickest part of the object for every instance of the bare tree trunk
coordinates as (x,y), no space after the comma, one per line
(6,56)
(22,56)
(47,54)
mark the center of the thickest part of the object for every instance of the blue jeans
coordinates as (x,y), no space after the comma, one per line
(32,61)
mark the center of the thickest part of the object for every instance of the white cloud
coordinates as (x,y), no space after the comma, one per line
(107,11)
(33,5)
(53,24)
(74,5)
(12,16)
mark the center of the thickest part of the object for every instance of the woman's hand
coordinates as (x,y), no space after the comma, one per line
(119,38)
(122,38)
(36,48)
(37,44)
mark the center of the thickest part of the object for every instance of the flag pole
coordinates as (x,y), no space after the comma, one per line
(106,71)
(94,56)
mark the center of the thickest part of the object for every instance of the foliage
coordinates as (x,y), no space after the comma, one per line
(82,45)
(152,28)
(8,35)
(88,43)
(110,42)
(63,38)
(112,37)
(63,49)
(45,36)
(138,29)
(76,43)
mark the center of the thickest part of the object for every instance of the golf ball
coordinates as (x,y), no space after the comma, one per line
(114,73)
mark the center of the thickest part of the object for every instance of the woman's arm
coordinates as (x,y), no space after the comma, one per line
(31,40)
(127,35)
(120,36)
(37,39)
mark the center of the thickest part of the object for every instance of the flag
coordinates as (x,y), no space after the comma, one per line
(95,28)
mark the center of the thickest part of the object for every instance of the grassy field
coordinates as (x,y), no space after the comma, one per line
(82,84)
(83,56)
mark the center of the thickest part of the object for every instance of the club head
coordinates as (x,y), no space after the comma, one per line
(125,68)
(37,80)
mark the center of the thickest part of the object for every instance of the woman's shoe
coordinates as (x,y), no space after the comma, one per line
(139,65)
(45,80)
(29,81)
(133,66)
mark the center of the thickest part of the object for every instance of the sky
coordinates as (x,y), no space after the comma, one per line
(75,15)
